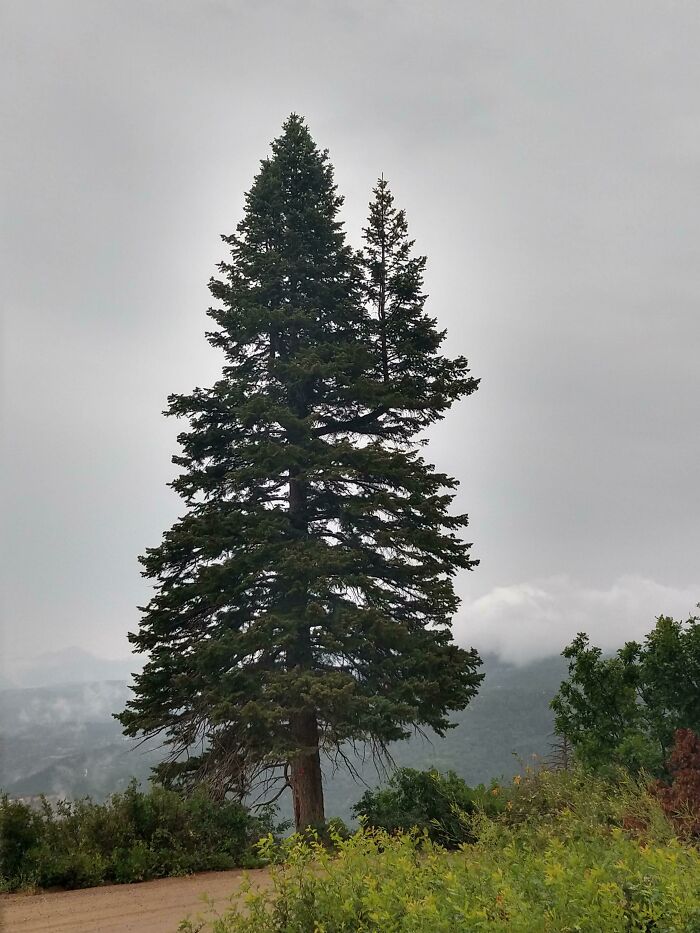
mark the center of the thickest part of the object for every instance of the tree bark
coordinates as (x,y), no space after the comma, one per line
(306,778)
(305,765)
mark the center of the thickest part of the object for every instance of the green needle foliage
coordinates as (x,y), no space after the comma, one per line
(304,599)
(417,383)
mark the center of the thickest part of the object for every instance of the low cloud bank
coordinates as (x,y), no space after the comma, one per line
(519,623)
(526,621)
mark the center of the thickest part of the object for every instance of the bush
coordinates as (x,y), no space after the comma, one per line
(435,804)
(20,832)
(132,837)
(680,798)
(554,866)
(623,710)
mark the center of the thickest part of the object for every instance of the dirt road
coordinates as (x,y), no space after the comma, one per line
(151,907)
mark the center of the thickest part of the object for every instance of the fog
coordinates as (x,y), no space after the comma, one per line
(548,157)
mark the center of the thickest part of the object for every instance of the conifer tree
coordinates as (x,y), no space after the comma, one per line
(417,383)
(303,600)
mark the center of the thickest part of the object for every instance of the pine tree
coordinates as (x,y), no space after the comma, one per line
(303,601)
(417,383)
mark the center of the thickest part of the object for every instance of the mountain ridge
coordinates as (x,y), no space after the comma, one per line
(61,740)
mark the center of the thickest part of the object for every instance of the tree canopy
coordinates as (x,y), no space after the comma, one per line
(624,710)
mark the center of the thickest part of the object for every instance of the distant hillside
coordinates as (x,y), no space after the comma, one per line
(509,721)
(70,665)
(62,740)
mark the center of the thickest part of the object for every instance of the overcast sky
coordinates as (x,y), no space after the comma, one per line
(548,157)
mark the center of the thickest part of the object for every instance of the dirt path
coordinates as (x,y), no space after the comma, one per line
(150,907)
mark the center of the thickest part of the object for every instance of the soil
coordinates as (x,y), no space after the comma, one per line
(150,907)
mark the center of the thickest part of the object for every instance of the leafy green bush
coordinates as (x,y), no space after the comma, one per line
(20,832)
(547,863)
(541,796)
(132,837)
(429,801)
(624,710)
(326,834)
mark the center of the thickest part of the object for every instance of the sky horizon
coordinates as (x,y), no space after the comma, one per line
(548,160)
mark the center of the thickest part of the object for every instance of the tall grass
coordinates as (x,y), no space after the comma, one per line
(568,852)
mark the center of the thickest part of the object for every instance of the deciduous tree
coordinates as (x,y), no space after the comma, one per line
(625,709)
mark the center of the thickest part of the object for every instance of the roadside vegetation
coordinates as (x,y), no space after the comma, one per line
(561,851)
(134,836)
(604,836)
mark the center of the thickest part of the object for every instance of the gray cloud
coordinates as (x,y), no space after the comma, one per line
(525,621)
(548,155)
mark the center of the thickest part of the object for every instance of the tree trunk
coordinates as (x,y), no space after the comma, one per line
(306,781)
(382,299)
(305,766)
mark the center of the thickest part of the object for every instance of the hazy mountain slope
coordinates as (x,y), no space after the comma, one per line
(69,666)
(22,710)
(62,740)
(510,717)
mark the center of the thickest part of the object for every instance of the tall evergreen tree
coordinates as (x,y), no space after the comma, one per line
(417,383)
(303,601)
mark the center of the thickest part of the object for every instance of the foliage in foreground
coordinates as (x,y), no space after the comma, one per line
(680,796)
(134,836)
(429,801)
(558,858)
(624,710)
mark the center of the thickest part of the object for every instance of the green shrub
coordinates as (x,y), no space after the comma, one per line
(20,831)
(326,834)
(132,837)
(546,864)
(65,868)
(623,710)
(429,801)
